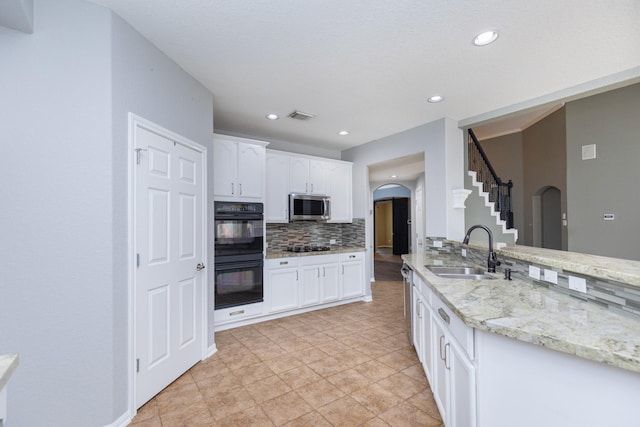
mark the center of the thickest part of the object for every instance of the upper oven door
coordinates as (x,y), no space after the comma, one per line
(238,236)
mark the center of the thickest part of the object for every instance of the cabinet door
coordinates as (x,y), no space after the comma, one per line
(225,162)
(250,171)
(330,283)
(440,385)
(276,202)
(340,185)
(298,175)
(283,289)
(416,298)
(427,342)
(462,412)
(319,177)
(311,279)
(352,279)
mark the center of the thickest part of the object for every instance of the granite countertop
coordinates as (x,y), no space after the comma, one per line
(271,254)
(8,364)
(522,310)
(621,270)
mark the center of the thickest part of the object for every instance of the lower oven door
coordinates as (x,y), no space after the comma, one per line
(238,282)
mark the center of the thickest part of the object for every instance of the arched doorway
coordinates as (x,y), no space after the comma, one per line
(547,218)
(392,229)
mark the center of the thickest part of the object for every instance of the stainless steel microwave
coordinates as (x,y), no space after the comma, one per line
(303,207)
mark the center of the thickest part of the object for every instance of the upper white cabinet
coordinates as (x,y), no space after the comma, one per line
(238,168)
(276,201)
(293,173)
(308,176)
(340,184)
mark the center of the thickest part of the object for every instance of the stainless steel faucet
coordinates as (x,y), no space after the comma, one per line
(492,261)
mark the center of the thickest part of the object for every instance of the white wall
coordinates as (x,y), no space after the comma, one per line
(443,146)
(66,91)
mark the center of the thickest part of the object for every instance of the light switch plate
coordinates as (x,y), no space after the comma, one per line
(578,284)
(534,272)
(464,252)
(550,276)
(437,243)
(332,241)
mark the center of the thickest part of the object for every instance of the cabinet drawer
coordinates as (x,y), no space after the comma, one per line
(461,332)
(232,314)
(290,262)
(318,259)
(352,256)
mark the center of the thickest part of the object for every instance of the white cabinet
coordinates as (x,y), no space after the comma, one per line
(308,176)
(282,284)
(238,168)
(276,201)
(453,377)
(352,266)
(340,184)
(320,281)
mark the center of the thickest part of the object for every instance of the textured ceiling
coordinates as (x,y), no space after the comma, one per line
(368,66)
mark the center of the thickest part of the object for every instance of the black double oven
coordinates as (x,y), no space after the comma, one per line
(239,244)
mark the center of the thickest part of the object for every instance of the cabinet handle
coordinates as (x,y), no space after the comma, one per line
(352,256)
(324,272)
(418,309)
(318,272)
(343,269)
(444,315)
(284,262)
(296,274)
(235,313)
(440,347)
(446,359)
(240,185)
(232,189)
(306,187)
(312,187)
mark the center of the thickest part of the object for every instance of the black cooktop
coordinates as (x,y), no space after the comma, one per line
(308,248)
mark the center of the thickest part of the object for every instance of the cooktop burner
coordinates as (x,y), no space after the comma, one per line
(308,248)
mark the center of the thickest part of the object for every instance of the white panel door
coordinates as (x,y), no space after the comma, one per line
(169,192)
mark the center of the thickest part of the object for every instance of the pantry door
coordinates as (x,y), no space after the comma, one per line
(169,193)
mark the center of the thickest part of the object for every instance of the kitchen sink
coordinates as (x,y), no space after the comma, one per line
(469,273)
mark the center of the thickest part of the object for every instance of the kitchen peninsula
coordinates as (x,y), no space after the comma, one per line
(529,351)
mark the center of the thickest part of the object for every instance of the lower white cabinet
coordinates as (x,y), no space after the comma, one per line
(282,280)
(445,348)
(352,269)
(316,286)
(297,282)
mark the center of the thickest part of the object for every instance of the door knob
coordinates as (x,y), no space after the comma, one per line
(200,267)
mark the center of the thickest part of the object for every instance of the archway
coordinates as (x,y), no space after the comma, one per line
(392,228)
(547,218)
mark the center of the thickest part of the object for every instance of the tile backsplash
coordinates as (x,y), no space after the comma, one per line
(308,233)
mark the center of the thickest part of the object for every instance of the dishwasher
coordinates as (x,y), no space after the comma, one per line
(407,286)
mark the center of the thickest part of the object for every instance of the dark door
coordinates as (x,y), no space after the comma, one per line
(400,226)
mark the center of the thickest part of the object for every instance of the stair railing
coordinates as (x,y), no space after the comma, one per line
(499,192)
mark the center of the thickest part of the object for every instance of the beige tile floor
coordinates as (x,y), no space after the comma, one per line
(351,365)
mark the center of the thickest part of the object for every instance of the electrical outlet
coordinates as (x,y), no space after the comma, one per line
(463,252)
(332,241)
(437,262)
(551,276)
(437,243)
(534,272)
(578,284)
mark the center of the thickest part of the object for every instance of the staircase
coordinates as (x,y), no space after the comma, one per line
(502,234)
(494,195)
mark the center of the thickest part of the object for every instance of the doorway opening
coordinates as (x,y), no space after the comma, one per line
(547,218)
(392,230)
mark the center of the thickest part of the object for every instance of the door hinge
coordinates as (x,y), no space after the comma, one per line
(138,150)
(137,260)
(137,365)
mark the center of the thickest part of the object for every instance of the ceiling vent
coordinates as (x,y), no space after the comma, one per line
(299,115)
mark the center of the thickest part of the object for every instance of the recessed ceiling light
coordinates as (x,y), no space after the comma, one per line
(393,176)
(343,132)
(485,38)
(435,98)
(272,116)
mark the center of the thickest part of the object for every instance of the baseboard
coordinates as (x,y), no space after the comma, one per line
(211,350)
(123,421)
